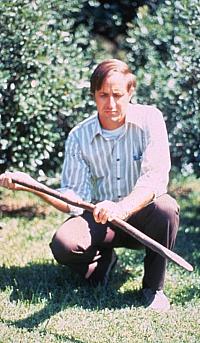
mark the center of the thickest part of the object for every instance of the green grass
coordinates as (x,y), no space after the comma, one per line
(41,301)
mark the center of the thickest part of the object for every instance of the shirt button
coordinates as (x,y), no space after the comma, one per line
(118,178)
(118,159)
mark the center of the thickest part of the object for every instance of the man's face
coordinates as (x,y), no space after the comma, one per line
(112,101)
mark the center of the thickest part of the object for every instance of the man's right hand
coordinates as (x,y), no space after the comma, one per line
(6,180)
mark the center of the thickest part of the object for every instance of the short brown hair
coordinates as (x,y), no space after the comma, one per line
(107,67)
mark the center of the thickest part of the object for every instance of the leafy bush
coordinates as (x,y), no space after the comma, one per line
(45,65)
(164,51)
(110,19)
(48,51)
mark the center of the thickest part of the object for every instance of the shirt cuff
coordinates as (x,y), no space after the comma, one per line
(73,210)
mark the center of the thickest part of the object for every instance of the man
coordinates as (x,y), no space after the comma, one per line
(119,160)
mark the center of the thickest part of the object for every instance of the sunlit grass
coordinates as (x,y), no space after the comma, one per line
(41,301)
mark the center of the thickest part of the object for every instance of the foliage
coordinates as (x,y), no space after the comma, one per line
(48,49)
(164,51)
(109,18)
(45,65)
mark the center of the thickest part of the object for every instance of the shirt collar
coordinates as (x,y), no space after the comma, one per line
(96,128)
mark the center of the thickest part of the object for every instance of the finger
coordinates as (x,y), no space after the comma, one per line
(111,217)
(3,179)
(6,180)
(96,212)
(9,184)
(104,218)
(100,215)
(97,217)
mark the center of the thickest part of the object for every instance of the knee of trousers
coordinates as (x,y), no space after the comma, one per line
(167,211)
(65,250)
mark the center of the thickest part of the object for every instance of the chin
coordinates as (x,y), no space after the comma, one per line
(117,119)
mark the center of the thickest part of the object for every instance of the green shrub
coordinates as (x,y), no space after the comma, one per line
(110,19)
(164,51)
(48,51)
(45,65)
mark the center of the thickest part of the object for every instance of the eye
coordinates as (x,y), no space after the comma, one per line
(118,95)
(103,95)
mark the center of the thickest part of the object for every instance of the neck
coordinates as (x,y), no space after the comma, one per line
(112,125)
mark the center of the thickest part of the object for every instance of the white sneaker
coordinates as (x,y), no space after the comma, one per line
(156,300)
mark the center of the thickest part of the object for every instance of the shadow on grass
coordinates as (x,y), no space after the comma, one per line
(27,211)
(66,338)
(59,288)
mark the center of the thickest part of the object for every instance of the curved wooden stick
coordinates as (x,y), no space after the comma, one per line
(141,237)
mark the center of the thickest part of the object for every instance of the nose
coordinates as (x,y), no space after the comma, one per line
(111,102)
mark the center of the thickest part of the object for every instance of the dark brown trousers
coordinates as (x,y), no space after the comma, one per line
(86,246)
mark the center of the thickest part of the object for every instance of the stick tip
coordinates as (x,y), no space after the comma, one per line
(190,268)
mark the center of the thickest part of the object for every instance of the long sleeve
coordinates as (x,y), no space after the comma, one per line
(156,162)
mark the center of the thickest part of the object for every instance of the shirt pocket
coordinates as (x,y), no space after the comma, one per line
(96,171)
(137,157)
(136,164)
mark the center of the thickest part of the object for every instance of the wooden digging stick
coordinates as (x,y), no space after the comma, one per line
(141,237)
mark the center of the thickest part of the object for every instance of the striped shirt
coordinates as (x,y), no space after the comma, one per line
(100,167)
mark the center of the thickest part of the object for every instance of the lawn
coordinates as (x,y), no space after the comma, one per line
(41,301)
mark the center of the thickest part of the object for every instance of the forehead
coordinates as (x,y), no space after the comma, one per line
(115,81)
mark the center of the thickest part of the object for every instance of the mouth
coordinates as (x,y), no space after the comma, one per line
(111,112)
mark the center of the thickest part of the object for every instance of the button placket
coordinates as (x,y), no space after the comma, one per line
(118,175)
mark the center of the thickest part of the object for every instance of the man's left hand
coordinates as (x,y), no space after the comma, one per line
(107,211)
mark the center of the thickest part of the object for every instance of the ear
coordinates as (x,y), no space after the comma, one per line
(130,92)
